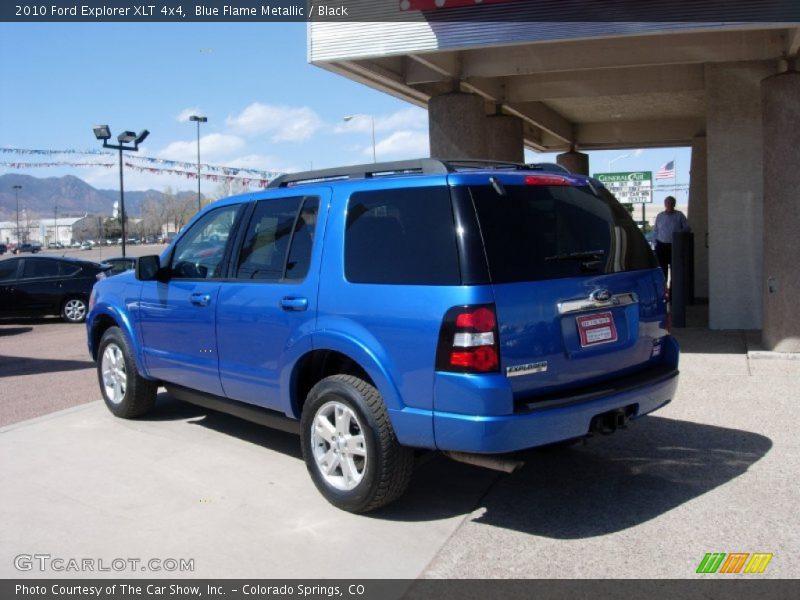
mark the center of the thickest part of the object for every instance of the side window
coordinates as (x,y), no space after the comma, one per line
(34,268)
(198,254)
(279,239)
(8,270)
(68,269)
(402,236)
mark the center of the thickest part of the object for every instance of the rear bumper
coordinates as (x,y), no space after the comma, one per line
(554,420)
(515,432)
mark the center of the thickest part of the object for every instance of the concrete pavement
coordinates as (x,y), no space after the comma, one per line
(715,471)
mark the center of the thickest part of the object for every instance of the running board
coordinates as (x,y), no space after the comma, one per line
(249,412)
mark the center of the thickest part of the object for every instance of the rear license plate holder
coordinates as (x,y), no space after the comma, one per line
(596,329)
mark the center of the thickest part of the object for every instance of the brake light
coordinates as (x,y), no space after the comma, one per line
(546,180)
(469,340)
(481,320)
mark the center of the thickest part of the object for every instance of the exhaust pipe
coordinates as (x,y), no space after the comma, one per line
(487,461)
(609,422)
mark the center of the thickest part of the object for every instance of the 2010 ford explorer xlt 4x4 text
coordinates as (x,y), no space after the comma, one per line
(473,308)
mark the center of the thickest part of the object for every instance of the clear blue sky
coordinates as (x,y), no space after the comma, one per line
(267,108)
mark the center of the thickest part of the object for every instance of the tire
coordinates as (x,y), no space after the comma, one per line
(74,310)
(126,393)
(363,467)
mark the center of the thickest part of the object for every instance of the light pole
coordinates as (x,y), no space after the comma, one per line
(349,118)
(17,188)
(198,119)
(102,132)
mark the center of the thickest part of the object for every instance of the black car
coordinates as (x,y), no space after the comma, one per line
(47,285)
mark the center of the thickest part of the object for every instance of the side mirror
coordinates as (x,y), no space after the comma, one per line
(148,268)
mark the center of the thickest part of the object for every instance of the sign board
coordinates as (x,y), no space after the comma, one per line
(630,187)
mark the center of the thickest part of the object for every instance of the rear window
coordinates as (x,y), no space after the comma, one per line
(549,232)
(403,236)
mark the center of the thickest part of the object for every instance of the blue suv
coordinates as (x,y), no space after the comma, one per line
(470,307)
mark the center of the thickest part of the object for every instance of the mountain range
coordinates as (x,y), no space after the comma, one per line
(72,195)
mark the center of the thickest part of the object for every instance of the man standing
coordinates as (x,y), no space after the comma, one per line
(668,222)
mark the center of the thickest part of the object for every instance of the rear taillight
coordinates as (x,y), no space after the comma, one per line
(469,340)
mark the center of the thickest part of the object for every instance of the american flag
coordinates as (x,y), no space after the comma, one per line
(667,171)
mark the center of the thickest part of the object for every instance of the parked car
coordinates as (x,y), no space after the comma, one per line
(47,285)
(475,309)
(3,249)
(28,247)
(87,245)
(119,265)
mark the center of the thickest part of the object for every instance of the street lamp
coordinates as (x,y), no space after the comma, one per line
(349,118)
(102,132)
(17,188)
(198,120)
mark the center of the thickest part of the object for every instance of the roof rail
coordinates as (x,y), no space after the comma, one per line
(398,167)
(426,166)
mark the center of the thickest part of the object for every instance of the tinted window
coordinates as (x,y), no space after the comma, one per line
(69,269)
(270,251)
(8,269)
(540,232)
(198,254)
(36,267)
(403,236)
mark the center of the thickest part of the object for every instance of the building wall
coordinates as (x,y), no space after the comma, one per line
(735,193)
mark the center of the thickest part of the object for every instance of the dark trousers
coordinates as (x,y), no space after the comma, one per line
(664,256)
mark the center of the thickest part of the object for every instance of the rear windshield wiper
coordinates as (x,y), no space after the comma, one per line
(585,255)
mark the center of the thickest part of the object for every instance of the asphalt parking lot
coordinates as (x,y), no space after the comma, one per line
(715,471)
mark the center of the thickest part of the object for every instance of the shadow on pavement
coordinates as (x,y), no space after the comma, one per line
(706,341)
(24,365)
(608,485)
(620,482)
(170,409)
(9,331)
(34,321)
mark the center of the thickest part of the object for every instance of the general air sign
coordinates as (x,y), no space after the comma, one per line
(629,188)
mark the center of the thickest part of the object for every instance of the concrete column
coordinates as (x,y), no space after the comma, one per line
(504,138)
(698,215)
(780,102)
(457,126)
(735,190)
(576,162)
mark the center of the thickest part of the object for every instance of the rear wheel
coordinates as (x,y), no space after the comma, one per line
(74,310)
(126,393)
(349,446)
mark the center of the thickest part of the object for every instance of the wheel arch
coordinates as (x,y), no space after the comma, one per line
(338,354)
(101,320)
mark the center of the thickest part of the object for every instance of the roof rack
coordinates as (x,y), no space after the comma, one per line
(421,166)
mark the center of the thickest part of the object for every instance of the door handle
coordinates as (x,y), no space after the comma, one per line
(294,303)
(200,299)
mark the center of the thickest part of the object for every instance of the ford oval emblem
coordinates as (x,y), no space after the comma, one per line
(600,295)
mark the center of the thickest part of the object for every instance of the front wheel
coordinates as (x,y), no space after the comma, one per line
(126,393)
(349,445)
